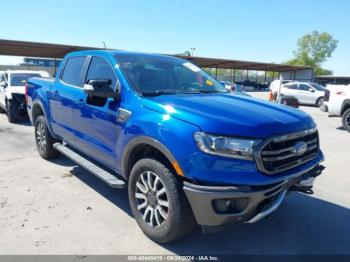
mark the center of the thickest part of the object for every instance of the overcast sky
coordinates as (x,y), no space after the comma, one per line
(260,30)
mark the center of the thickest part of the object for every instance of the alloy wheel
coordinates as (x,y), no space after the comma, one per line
(151,199)
(41,137)
(347,120)
(320,102)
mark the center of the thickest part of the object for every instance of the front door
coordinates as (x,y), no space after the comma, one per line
(306,96)
(95,117)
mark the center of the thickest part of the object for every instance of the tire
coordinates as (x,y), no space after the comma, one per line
(43,139)
(346,119)
(11,112)
(168,223)
(319,101)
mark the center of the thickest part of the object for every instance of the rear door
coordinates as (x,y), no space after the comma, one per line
(95,117)
(63,97)
(306,96)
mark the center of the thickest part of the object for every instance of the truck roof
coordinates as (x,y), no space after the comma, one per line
(113,52)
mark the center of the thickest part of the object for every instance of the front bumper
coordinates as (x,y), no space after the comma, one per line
(225,205)
(20,104)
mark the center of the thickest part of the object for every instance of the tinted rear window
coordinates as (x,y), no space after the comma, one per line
(73,71)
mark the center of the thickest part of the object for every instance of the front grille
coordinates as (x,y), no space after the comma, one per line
(277,153)
(326,95)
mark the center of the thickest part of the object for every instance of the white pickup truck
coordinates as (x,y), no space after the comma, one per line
(337,103)
(12,91)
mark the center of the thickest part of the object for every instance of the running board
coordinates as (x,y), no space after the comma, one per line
(102,174)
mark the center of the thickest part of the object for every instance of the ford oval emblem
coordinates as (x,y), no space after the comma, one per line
(299,148)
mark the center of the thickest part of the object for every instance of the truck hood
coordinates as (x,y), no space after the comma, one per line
(231,115)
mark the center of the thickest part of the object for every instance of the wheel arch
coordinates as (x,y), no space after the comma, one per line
(345,106)
(37,110)
(145,146)
(318,98)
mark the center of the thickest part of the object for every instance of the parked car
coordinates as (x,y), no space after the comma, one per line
(307,93)
(227,84)
(275,84)
(234,88)
(12,89)
(337,103)
(188,150)
(237,90)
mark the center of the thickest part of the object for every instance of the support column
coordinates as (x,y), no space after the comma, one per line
(55,61)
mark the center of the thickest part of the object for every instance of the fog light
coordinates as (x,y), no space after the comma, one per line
(230,206)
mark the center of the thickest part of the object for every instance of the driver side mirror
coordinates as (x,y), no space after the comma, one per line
(100,88)
(3,84)
(311,90)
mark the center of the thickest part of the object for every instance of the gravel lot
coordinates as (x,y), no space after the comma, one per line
(58,208)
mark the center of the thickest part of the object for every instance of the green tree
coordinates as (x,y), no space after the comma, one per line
(314,49)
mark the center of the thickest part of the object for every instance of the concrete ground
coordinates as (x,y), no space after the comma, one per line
(55,207)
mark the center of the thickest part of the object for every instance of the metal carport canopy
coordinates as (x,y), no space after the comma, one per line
(36,49)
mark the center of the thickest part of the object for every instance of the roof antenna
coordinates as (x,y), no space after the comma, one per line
(104,44)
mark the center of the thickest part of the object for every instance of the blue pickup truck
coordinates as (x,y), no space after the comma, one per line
(190,152)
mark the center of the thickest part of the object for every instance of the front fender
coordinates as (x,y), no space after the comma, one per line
(133,143)
(345,104)
(171,136)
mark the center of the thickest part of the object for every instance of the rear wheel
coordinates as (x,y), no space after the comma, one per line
(44,140)
(158,202)
(11,111)
(319,101)
(346,119)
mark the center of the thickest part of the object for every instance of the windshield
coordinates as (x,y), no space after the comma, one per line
(156,75)
(20,79)
(317,87)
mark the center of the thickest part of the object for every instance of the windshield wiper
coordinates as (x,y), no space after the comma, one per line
(210,91)
(159,92)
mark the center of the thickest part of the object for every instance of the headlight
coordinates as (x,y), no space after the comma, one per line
(225,146)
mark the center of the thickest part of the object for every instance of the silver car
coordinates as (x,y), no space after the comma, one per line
(305,92)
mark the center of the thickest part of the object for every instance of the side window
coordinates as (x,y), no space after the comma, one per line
(304,87)
(292,86)
(100,69)
(73,71)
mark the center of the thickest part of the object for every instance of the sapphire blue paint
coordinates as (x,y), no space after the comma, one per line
(171,120)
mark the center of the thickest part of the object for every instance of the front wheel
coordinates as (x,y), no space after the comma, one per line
(158,202)
(319,101)
(11,111)
(346,120)
(44,140)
